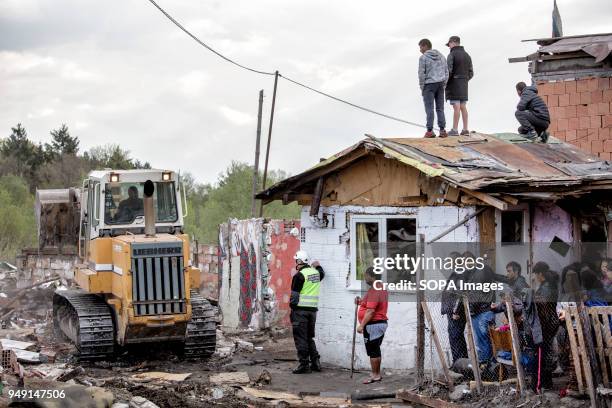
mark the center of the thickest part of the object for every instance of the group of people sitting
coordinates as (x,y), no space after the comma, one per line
(537,308)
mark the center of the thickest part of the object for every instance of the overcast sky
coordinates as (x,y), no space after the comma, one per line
(120,72)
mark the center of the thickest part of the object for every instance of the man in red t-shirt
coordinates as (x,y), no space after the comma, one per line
(372,316)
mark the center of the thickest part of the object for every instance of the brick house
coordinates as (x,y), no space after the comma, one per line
(574,76)
(480,189)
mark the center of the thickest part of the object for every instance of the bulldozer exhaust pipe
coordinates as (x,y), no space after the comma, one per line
(149,210)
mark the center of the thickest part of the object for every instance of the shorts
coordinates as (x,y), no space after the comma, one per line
(373,346)
(457,101)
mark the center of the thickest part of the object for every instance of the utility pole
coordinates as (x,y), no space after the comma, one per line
(256,166)
(265,175)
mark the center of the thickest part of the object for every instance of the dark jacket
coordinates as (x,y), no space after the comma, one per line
(517,285)
(480,301)
(460,71)
(297,283)
(531,101)
(451,299)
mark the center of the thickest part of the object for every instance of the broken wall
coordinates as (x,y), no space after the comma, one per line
(329,243)
(206,258)
(34,265)
(256,260)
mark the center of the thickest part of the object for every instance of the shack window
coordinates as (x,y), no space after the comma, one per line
(512,227)
(381,237)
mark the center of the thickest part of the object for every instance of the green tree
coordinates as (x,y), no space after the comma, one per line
(230,197)
(17,223)
(114,157)
(19,150)
(63,143)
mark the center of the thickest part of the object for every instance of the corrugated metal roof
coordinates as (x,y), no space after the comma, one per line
(476,162)
(599,46)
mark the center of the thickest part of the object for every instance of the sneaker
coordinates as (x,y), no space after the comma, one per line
(453,132)
(443,133)
(544,136)
(531,135)
(429,134)
(465,132)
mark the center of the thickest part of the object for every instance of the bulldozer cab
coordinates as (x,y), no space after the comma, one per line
(112,204)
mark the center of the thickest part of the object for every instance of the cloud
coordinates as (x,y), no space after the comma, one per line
(236,117)
(192,83)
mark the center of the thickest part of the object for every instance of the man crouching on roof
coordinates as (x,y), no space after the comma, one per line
(532,113)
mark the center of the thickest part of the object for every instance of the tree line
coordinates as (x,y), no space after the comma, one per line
(26,166)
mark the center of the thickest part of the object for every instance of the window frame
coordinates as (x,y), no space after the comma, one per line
(380,219)
(524,209)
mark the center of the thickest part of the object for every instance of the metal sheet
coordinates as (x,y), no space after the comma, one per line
(175,285)
(150,295)
(167,291)
(599,46)
(158,285)
(141,286)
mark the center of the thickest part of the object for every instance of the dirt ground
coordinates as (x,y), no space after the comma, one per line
(260,362)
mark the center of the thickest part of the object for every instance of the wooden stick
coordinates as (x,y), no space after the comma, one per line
(411,396)
(434,334)
(420,362)
(516,345)
(354,335)
(586,364)
(472,345)
(571,334)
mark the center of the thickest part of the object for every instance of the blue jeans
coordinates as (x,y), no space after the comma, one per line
(434,93)
(481,335)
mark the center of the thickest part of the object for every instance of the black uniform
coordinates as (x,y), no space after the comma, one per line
(303,320)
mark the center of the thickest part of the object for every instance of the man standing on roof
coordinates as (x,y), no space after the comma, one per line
(532,113)
(304,301)
(460,71)
(433,74)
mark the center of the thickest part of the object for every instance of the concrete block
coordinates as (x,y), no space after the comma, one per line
(564,99)
(585,97)
(570,112)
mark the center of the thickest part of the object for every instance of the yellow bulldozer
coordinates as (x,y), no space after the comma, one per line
(136,282)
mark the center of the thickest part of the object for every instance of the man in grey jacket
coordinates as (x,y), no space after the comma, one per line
(433,74)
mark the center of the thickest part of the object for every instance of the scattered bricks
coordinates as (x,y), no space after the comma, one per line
(606,121)
(558,88)
(595,122)
(607,95)
(582,110)
(593,84)
(582,85)
(570,112)
(570,86)
(585,122)
(596,96)
(574,98)
(562,124)
(570,135)
(564,99)
(603,108)
(553,100)
(585,97)
(573,123)
(596,146)
(603,83)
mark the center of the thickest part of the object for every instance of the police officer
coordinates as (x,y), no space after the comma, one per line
(305,287)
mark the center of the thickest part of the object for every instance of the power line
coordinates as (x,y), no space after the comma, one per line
(209,48)
(257,71)
(351,104)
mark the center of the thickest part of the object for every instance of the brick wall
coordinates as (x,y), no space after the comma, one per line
(581,112)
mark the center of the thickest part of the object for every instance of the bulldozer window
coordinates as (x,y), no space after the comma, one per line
(123,202)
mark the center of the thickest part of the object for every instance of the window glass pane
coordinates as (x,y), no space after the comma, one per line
(401,240)
(366,246)
(123,202)
(512,227)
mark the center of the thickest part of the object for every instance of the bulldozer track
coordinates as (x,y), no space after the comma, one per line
(201,335)
(92,319)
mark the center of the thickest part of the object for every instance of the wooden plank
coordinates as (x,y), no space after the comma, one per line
(586,364)
(472,345)
(489,199)
(316,198)
(434,334)
(599,343)
(486,230)
(411,396)
(574,346)
(358,179)
(420,357)
(516,345)
(288,198)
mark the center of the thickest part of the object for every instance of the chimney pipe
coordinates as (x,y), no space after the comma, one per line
(149,210)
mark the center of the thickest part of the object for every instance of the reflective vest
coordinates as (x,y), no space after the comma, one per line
(309,295)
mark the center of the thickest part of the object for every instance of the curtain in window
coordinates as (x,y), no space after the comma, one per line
(365,255)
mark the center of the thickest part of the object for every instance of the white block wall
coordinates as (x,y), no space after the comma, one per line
(336,307)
